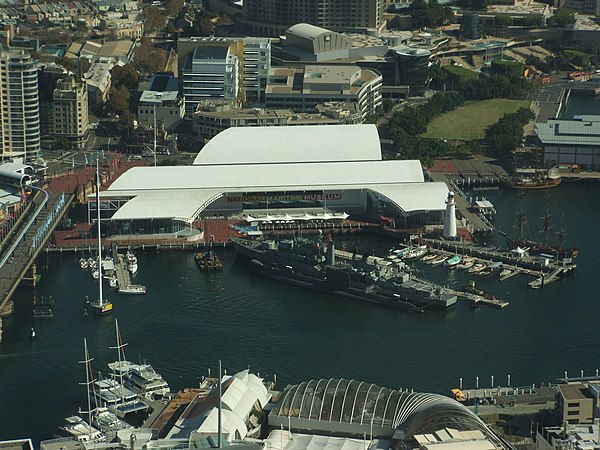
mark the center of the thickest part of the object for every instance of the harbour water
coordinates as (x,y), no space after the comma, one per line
(189,320)
(579,104)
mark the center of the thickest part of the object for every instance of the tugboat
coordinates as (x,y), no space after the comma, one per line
(208,260)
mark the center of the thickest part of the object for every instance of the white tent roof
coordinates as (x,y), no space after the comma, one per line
(310,143)
(297,441)
(238,399)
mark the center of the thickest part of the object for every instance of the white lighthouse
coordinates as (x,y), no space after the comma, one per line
(450,217)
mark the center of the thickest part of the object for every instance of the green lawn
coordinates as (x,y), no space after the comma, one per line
(470,121)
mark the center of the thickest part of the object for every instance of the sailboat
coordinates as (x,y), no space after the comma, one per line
(75,426)
(546,247)
(140,378)
(101,306)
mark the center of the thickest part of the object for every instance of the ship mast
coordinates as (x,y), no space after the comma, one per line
(89,379)
(100,299)
(547,225)
(521,219)
(120,346)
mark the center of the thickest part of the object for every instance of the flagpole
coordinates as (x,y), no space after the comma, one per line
(154,135)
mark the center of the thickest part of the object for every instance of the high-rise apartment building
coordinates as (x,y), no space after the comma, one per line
(70,111)
(19,106)
(273,17)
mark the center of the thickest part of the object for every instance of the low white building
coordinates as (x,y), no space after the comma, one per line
(333,167)
(167,107)
(242,394)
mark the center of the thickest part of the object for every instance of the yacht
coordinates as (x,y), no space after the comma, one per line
(140,378)
(133,289)
(144,380)
(111,394)
(78,428)
(132,263)
(100,306)
(107,421)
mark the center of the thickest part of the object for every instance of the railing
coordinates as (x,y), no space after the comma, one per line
(46,228)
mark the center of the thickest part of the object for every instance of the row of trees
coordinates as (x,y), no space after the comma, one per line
(432,14)
(429,14)
(408,124)
(507,133)
(505,84)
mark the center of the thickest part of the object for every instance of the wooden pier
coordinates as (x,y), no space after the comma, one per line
(123,275)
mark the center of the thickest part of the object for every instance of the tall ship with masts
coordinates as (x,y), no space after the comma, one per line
(552,243)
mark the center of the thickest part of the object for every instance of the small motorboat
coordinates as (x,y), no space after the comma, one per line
(113,282)
(32,335)
(452,262)
(477,267)
(466,264)
(133,289)
(96,274)
(83,263)
(132,267)
(429,257)
(437,261)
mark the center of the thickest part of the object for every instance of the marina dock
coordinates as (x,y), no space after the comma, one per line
(123,275)
(473,299)
(527,265)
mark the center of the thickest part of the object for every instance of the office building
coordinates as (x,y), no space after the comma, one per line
(272,17)
(571,141)
(70,112)
(413,64)
(302,88)
(165,107)
(20,115)
(577,402)
(209,72)
(253,54)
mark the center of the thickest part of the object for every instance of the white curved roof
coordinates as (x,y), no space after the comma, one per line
(254,177)
(310,143)
(306,30)
(416,197)
(184,192)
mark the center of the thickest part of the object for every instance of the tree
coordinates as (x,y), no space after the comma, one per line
(509,68)
(205,25)
(149,59)
(576,57)
(118,100)
(387,104)
(125,76)
(502,20)
(154,19)
(173,7)
(561,18)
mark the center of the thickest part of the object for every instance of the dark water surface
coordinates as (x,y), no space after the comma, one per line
(189,320)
